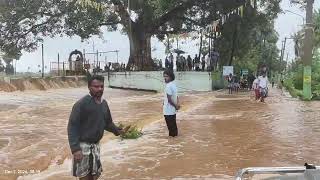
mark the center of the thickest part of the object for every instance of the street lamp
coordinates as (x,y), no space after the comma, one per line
(303,19)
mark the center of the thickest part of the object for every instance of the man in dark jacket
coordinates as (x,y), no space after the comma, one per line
(89,118)
(189,60)
(166,63)
(203,62)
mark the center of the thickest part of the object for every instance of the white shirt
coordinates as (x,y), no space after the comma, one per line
(208,61)
(255,84)
(170,89)
(263,82)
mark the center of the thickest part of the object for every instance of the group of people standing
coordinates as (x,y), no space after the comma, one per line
(258,84)
(188,64)
(118,67)
(233,83)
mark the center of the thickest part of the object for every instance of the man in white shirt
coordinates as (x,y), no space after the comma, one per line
(255,87)
(170,103)
(263,85)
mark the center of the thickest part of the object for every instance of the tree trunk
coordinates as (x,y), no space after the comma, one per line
(200,50)
(233,44)
(140,51)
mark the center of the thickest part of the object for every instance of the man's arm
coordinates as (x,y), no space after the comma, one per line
(178,103)
(169,93)
(110,126)
(73,128)
(170,101)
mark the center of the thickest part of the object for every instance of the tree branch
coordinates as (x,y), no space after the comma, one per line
(34,27)
(123,13)
(51,18)
(175,31)
(171,13)
(109,23)
(192,21)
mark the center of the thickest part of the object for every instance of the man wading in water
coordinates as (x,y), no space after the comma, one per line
(89,118)
(171,103)
(263,86)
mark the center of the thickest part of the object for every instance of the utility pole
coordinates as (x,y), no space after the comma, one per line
(15,68)
(42,60)
(93,49)
(287,61)
(63,70)
(97,58)
(209,39)
(95,64)
(284,48)
(307,56)
(58,64)
(281,52)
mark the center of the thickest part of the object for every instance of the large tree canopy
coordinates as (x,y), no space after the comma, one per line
(24,23)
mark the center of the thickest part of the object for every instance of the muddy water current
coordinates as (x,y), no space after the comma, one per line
(218,135)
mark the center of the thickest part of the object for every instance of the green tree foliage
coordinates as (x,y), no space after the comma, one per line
(250,41)
(24,23)
(295,73)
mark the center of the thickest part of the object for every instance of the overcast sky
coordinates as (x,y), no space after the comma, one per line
(286,24)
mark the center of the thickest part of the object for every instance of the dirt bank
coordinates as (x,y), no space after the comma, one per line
(24,84)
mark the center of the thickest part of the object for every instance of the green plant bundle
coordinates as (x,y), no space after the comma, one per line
(130,132)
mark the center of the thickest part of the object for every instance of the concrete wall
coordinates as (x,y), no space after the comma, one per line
(153,80)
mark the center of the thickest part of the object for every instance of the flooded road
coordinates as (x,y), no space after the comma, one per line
(218,135)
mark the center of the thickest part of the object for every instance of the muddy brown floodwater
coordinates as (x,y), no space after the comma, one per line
(218,135)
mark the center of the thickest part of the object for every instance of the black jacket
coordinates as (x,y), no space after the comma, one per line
(87,122)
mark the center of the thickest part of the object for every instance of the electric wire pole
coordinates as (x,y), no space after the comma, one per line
(307,55)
